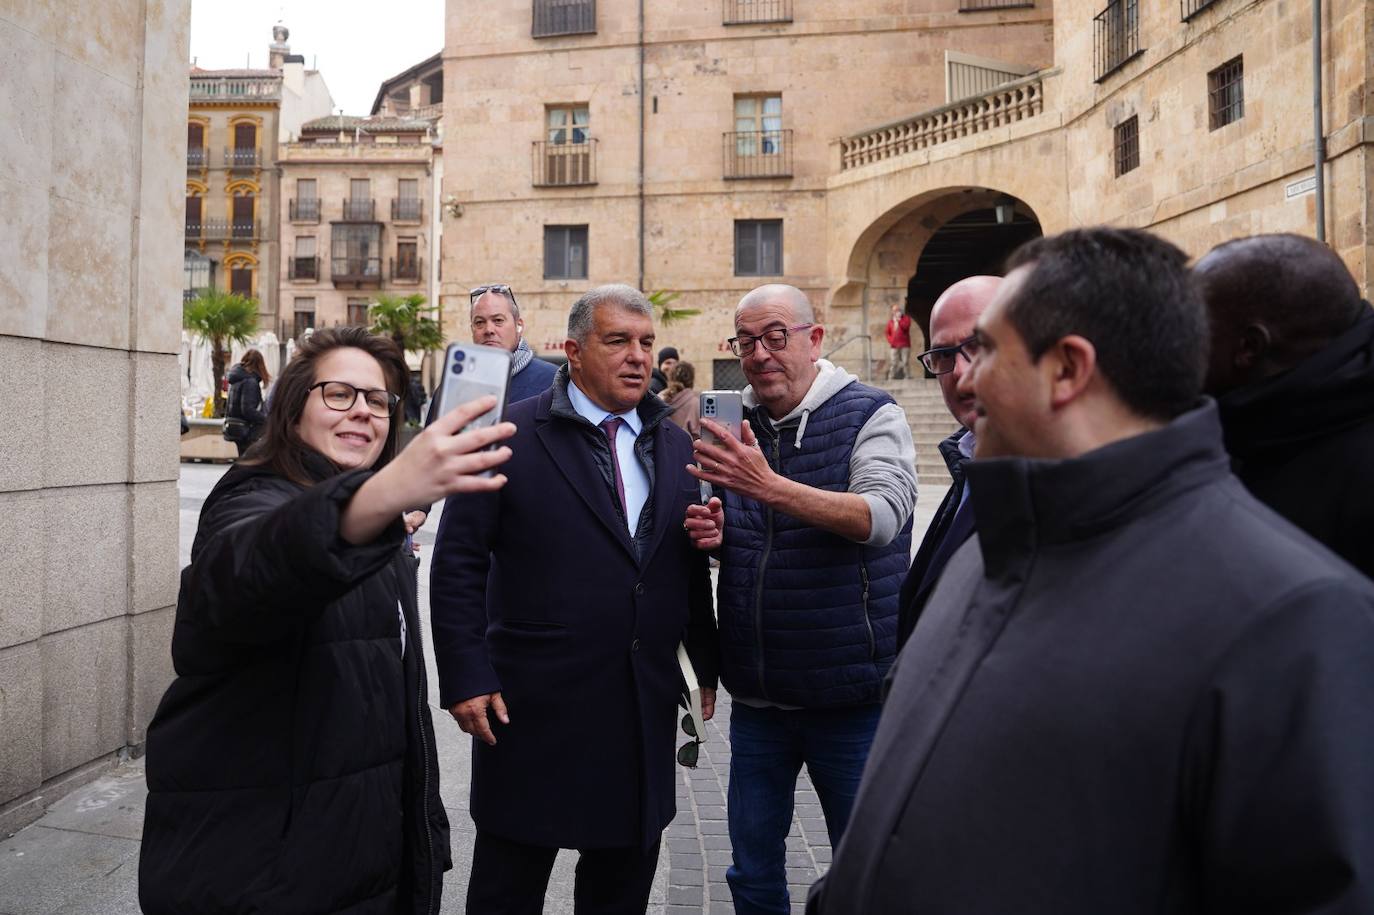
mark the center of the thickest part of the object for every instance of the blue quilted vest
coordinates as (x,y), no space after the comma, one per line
(807,617)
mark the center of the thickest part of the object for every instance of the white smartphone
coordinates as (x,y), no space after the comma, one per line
(470,372)
(725,408)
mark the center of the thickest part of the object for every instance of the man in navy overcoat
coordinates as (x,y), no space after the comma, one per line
(556,622)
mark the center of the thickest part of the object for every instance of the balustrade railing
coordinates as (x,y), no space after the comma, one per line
(758,154)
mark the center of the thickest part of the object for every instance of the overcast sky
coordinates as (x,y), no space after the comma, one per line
(355,43)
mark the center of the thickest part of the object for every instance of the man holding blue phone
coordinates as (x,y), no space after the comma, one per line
(814,539)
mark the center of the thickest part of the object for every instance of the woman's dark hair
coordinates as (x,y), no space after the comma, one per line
(682,377)
(252,360)
(280,448)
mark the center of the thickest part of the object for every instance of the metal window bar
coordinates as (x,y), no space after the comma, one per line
(1126,145)
(1116,37)
(1226,94)
(563,17)
(359,209)
(1190,8)
(306,209)
(221,229)
(564,164)
(303,268)
(407,209)
(357,268)
(741,12)
(242,157)
(197,156)
(758,154)
(972,6)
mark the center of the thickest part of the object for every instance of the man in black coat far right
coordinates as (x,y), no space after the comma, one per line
(1292,369)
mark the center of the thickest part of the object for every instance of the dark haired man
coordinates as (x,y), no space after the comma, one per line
(1136,690)
(1293,373)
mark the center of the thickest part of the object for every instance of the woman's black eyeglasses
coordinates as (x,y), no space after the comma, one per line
(772,340)
(689,752)
(942,359)
(476,292)
(341,396)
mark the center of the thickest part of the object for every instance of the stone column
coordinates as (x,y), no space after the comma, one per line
(91,188)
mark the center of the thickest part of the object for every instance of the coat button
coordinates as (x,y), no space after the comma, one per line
(639,589)
(634,646)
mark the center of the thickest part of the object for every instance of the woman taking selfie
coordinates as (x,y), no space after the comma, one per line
(291,765)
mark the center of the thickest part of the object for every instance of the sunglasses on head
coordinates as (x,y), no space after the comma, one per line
(477,292)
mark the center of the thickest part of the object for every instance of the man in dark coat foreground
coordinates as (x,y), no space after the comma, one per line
(1293,373)
(556,623)
(1137,689)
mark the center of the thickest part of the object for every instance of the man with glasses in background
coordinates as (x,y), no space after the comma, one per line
(952,348)
(496,322)
(814,540)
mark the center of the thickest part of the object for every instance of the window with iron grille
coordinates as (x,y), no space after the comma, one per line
(969,6)
(758,247)
(1226,94)
(565,252)
(563,17)
(1126,143)
(1190,8)
(1116,37)
(739,12)
(357,312)
(304,317)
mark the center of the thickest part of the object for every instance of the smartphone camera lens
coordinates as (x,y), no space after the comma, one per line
(459,355)
(457,368)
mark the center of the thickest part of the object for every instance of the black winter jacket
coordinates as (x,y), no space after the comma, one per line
(245,396)
(1303,443)
(291,765)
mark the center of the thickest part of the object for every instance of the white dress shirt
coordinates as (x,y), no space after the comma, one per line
(633,477)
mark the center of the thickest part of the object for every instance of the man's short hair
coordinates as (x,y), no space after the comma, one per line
(582,316)
(1291,283)
(1128,292)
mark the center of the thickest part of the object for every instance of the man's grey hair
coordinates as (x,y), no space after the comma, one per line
(801,307)
(510,300)
(583,314)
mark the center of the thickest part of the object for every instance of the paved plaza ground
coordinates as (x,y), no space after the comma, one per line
(81,857)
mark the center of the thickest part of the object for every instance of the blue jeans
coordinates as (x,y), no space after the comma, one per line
(767,749)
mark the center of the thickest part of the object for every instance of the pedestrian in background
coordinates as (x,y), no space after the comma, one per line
(1292,369)
(681,396)
(291,764)
(245,415)
(658,378)
(899,339)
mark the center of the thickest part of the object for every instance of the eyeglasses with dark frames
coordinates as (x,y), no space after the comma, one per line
(690,752)
(476,292)
(772,340)
(341,396)
(941,360)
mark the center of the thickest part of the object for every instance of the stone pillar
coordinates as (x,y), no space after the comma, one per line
(91,162)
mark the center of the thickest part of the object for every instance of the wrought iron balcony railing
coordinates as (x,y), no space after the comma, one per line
(758,154)
(303,268)
(741,12)
(564,164)
(407,209)
(973,6)
(197,157)
(223,230)
(1116,37)
(406,269)
(1190,8)
(242,157)
(359,209)
(305,209)
(563,17)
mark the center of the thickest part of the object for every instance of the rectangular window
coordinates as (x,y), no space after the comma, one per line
(758,124)
(304,317)
(1126,143)
(406,206)
(305,189)
(407,266)
(566,156)
(357,251)
(1116,37)
(194,206)
(195,145)
(243,217)
(563,17)
(357,312)
(743,11)
(245,151)
(304,264)
(1226,94)
(568,124)
(565,252)
(241,281)
(758,247)
(408,188)
(359,188)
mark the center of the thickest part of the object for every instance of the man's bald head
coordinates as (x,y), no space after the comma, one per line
(952,320)
(1272,301)
(780,292)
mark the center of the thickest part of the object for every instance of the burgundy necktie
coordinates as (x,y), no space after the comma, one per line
(611,425)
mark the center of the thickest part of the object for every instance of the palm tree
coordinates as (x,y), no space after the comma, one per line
(662,301)
(408,321)
(220,318)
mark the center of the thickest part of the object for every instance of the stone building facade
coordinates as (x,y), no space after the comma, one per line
(90,326)
(896,147)
(356,216)
(690,152)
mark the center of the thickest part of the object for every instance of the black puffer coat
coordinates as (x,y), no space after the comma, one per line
(291,765)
